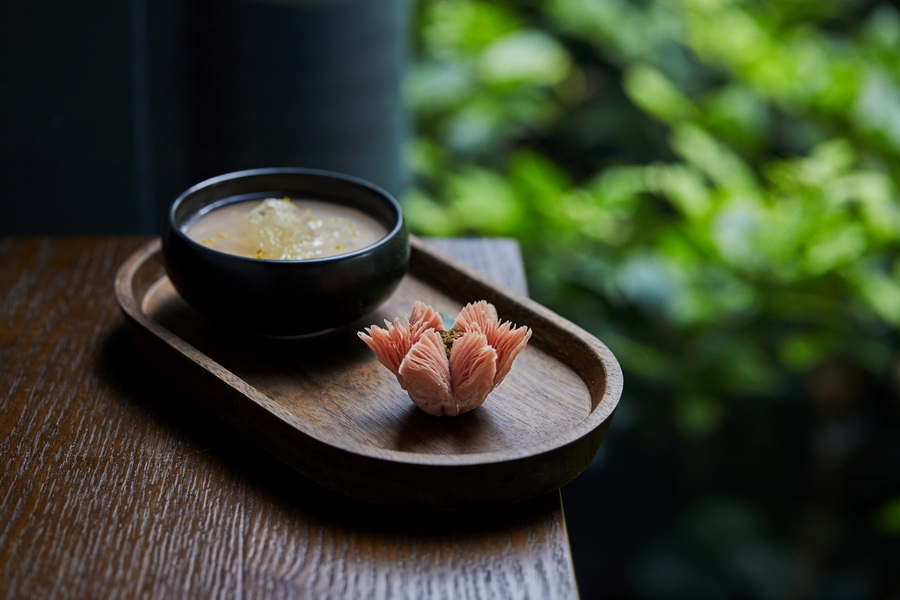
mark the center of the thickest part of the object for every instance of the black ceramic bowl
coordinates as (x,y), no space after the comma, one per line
(285,298)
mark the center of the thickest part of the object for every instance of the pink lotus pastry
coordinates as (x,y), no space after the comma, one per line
(448,372)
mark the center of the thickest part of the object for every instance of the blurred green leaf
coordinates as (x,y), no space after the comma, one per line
(802,352)
(459,28)
(887,518)
(431,218)
(655,94)
(697,415)
(437,86)
(700,149)
(481,201)
(881,292)
(877,106)
(738,115)
(526,55)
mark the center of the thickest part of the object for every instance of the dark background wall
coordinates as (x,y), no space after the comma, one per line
(109,110)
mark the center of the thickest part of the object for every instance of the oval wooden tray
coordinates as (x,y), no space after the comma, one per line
(329,409)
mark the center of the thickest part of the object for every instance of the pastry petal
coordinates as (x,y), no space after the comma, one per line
(425,374)
(473,365)
(390,344)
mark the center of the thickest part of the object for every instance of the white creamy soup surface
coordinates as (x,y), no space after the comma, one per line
(285,229)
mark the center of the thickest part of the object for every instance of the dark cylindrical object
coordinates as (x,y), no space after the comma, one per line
(309,83)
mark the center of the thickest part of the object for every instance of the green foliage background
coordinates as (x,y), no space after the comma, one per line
(710,187)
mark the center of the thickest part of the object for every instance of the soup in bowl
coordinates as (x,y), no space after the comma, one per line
(285,252)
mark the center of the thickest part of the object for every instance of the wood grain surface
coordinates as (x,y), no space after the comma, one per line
(117,485)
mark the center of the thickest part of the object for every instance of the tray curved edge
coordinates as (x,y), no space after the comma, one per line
(382,476)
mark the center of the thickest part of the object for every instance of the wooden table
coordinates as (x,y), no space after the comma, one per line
(115,485)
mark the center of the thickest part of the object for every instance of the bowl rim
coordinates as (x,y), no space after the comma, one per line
(389,199)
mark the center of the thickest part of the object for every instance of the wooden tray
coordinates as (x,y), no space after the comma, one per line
(329,409)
